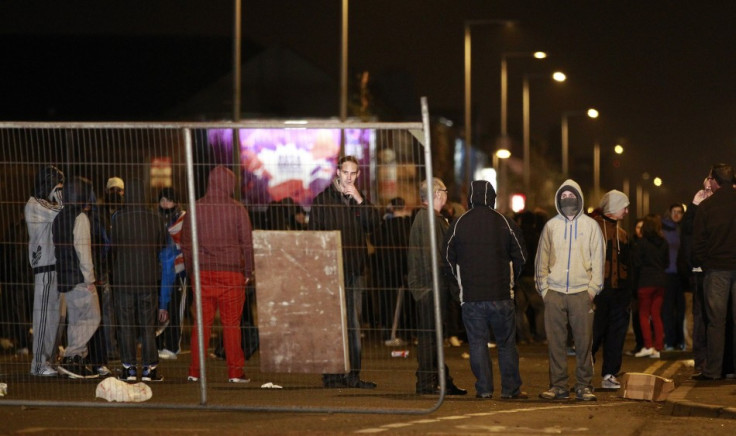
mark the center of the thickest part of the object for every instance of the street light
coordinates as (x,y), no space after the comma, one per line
(505,84)
(592,113)
(557,76)
(501,199)
(468,118)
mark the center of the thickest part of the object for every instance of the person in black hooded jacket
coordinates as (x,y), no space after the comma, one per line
(486,252)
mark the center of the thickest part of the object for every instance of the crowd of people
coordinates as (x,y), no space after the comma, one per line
(114,274)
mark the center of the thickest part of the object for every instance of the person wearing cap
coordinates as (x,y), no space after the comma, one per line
(569,274)
(113,201)
(611,320)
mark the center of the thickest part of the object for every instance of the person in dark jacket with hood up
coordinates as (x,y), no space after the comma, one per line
(486,252)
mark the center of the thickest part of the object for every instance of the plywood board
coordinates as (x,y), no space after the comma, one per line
(302,321)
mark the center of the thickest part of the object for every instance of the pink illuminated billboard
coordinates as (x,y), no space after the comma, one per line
(296,163)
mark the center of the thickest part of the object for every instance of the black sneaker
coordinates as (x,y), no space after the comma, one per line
(128,373)
(150,374)
(75,367)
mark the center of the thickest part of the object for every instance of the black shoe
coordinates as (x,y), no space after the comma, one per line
(150,374)
(337,383)
(702,377)
(454,390)
(518,396)
(128,373)
(361,384)
(74,367)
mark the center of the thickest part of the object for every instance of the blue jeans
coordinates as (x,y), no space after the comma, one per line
(479,317)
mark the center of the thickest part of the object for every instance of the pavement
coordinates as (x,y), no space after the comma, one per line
(705,399)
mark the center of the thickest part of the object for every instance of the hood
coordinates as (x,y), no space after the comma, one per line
(46,180)
(134,193)
(570,185)
(78,193)
(481,194)
(221,182)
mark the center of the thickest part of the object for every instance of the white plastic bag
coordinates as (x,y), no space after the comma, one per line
(112,389)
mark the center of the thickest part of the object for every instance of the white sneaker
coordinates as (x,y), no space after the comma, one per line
(166,354)
(491,345)
(654,355)
(238,380)
(610,382)
(47,371)
(646,352)
(192,378)
(455,341)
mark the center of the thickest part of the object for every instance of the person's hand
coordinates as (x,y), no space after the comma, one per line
(701,195)
(163,315)
(352,191)
(91,287)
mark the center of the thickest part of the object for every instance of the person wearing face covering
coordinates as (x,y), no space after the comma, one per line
(40,211)
(569,274)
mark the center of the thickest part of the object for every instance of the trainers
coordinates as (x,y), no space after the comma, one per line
(654,355)
(610,382)
(585,394)
(645,352)
(75,367)
(238,380)
(46,371)
(150,374)
(128,373)
(555,393)
(455,341)
(192,378)
(166,354)
(102,370)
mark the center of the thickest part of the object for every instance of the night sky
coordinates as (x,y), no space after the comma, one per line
(661,73)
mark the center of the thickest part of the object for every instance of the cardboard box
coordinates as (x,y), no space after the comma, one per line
(641,386)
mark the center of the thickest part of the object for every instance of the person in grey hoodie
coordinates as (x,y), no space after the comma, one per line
(568,275)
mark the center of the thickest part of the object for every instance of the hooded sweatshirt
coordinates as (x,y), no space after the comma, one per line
(484,249)
(571,252)
(224,229)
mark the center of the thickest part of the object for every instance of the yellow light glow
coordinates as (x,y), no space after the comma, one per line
(618,149)
(502,153)
(559,76)
(593,113)
(657,181)
(540,54)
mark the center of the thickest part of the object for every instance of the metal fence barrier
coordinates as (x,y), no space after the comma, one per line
(280,167)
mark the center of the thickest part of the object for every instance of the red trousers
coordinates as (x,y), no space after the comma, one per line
(223,290)
(650,304)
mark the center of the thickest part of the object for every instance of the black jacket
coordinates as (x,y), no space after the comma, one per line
(651,258)
(331,212)
(714,234)
(485,250)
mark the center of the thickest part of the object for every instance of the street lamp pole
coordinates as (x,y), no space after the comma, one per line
(557,76)
(505,84)
(592,113)
(344,63)
(596,172)
(468,87)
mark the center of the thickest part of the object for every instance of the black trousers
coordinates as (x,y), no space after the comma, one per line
(610,323)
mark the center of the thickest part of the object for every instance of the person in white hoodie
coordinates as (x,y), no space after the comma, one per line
(569,274)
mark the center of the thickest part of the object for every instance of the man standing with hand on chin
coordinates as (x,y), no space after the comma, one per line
(341,206)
